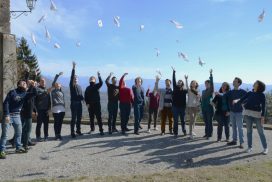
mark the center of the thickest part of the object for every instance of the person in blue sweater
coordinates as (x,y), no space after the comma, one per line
(12,107)
(138,104)
(179,104)
(236,117)
(254,110)
(76,103)
(207,107)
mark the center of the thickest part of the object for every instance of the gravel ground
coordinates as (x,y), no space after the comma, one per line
(93,155)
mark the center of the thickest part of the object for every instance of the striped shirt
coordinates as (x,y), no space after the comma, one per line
(168,98)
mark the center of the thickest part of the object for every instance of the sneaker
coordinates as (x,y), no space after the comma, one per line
(79,133)
(3,155)
(90,132)
(175,135)
(193,133)
(27,148)
(249,150)
(162,133)
(102,133)
(192,137)
(148,131)
(205,136)
(127,129)
(227,140)
(232,143)
(20,151)
(45,139)
(114,130)
(140,126)
(60,138)
(156,129)
(218,140)
(265,151)
(73,135)
(136,133)
(39,139)
(208,138)
(184,134)
(171,132)
(241,146)
(32,143)
(12,143)
(123,132)
(110,132)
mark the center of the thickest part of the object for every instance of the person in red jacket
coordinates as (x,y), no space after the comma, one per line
(126,99)
(154,100)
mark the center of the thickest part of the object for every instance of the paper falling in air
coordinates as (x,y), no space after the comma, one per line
(177,24)
(33,39)
(261,16)
(47,34)
(53,7)
(57,46)
(200,62)
(157,52)
(100,23)
(183,56)
(159,72)
(78,44)
(142,27)
(117,21)
(42,18)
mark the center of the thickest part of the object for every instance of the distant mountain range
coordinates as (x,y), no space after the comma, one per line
(84,82)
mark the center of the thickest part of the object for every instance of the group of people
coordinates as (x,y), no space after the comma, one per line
(171,102)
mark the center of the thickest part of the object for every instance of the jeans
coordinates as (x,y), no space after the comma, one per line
(138,115)
(208,118)
(125,109)
(179,112)
(249,123)
(15,121)
(95,111)
(76,111)
(58,120)
(223,121)
(26,131)
(43,118)
(166,112)
(113,110)
(236,120)
(154,112)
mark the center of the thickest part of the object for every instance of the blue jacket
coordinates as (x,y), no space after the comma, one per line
(15,99)
(233,95)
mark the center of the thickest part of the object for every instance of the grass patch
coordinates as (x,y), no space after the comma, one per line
(261,172)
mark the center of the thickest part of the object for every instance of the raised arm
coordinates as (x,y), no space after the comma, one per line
(186,82)
(56,78)
(174,79)
(108,79)
(157,83)
(72,75)
(122,82)
(100,83)
(211,81)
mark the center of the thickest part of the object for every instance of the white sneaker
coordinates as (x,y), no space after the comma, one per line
(249,150)
(90,132)
(192,137)
(156,129)
(193,133)
(148,131)
(265,151)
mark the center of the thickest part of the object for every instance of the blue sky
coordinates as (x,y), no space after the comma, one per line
(226,34)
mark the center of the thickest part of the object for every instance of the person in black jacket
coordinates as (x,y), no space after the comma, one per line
(76,103)
(113,97)
(42,104)
(92,99)
(179,104)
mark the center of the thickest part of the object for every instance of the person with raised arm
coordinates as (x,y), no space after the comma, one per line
(76,103)
(206,106)
(138,105)
(179,104)
(92,99)
(113,98)
(154,99)
(126,99)
(255,107)
(193,104)
(58,106)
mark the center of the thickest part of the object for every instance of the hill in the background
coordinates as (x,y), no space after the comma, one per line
(84,82)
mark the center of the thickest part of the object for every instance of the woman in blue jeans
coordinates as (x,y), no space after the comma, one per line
(254,104)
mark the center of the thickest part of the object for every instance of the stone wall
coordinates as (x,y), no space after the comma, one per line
(5,16)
